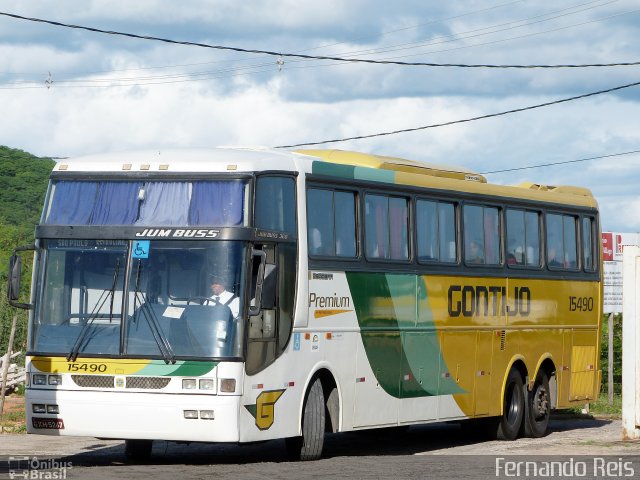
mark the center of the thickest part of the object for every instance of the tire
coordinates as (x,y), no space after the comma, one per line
(538,407)
(137,450)
(510,423)
(309,445)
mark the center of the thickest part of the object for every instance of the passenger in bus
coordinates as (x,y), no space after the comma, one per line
(316,244)
(221,296)
(552,258)
(474,253)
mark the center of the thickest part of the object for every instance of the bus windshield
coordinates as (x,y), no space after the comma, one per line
(183,299)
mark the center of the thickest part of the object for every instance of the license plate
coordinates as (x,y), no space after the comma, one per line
(50,423)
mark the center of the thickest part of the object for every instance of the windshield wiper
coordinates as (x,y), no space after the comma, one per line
(149,315)
(73,354)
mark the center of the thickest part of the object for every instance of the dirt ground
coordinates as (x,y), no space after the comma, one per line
(13,414)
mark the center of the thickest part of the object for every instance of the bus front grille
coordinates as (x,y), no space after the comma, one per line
(93,381)
(148,383)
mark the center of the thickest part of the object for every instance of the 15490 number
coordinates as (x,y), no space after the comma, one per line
(87,367)
(581,304)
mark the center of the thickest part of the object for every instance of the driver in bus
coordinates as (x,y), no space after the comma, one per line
(221,296)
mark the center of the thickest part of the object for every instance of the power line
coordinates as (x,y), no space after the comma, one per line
(452,37)
(381,34)
(308,57)
(560,163)
(453,122)
(511,25)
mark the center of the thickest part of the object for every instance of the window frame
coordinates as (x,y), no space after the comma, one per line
(254,198)
(410,219)
(333,191)
(456,230)
(578,244)
(501,236)
(541,244)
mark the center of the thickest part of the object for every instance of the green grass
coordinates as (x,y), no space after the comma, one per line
(601,406)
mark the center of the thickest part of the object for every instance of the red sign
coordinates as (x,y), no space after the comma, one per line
(607,246)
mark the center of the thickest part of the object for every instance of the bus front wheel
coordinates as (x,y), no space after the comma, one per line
(510,422)
(309,445)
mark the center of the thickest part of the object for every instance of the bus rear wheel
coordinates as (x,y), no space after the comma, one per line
(137,450)
(309,445)
(538,407)
(510,423)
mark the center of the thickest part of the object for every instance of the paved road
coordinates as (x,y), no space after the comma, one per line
(431,451)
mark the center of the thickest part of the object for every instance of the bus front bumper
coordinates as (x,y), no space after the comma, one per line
(128,415)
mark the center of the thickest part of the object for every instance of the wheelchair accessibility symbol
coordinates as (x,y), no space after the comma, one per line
(140,249)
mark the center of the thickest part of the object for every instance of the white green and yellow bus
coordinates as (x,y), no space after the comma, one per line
(369,292)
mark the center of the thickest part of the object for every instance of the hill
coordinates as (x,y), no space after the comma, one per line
(23,185)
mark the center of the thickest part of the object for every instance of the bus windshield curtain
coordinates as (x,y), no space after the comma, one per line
(72,203)
(116,204)
(210,203)
(165,203)
(216,203)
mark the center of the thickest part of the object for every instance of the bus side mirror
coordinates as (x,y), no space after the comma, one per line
(15,271)
(14,277)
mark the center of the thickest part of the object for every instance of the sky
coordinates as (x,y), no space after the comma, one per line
(67,92)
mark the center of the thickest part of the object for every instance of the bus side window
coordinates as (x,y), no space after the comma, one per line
(435,225)
(587,243)
(561,241)
(482,235)
(275,204)
(320,223)
(331,223)
(386,227)
(523,238)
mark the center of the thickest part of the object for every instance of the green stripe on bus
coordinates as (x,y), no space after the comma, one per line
(182,368)
(373,175)
(403,351)
(332,169)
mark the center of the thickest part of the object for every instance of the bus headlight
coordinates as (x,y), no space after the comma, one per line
(228,385)
(38,408)
(191,414)
(39,379)
(55,379)
(206,384)
(189,384)
(207,414)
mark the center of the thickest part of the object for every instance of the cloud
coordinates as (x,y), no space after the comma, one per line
(245,99)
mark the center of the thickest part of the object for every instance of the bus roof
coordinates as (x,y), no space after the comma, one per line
(409,172)
(339,163)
